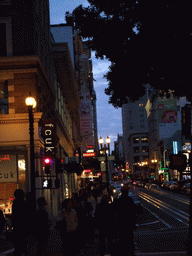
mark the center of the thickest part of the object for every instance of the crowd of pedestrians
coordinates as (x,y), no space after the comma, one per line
(78,221)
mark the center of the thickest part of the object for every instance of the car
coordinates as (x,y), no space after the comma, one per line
(173,186)
(167,185)
(153,186)
(147,185)
(186,189)
(163,184)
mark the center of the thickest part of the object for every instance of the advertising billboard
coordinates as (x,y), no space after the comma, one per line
(167,110)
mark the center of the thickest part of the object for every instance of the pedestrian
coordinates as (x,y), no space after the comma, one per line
(69,235)
(104,224)
(41,226)
(2,222)
(19,222)
(30,232)
(126,223)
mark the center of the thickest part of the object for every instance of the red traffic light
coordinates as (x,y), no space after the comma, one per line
(47,160)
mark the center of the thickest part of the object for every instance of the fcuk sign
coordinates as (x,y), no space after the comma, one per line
(8,168)
(49,136)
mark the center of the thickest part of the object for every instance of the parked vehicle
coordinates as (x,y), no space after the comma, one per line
(173,186)
(186,189)
(147,185)
(167,185)
(153,186)
(163,184)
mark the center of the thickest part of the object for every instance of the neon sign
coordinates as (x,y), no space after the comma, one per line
(5,158)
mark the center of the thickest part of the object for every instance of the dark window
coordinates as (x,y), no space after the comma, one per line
(136,149)
(3,49)
(3,98)
(145,149)
(136,159)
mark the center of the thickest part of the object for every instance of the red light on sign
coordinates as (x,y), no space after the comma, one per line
(88,170)
(47,161)
(88,154)
(99,174)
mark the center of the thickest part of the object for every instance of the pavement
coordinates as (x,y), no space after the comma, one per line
(147,243)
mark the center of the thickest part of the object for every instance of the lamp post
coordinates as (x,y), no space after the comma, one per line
(106,148)
(31,103)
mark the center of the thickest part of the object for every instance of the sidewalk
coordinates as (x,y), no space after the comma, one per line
(54,248)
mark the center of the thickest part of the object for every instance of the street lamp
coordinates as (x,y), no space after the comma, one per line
(31,103)
(106,149)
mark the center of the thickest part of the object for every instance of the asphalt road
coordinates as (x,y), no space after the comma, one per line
(164,223)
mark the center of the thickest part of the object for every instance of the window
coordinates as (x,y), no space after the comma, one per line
(142,126)
(144,140)
(136,159)
(3,47)
(140,104)
(3,98)
(136,149)
(141,121)
(145,149)
(6,48)
(141,115)
(136,140)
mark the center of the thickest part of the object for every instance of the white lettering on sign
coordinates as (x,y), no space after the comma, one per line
(49,132)
(8,168)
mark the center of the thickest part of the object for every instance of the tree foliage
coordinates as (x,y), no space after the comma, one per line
(147,42)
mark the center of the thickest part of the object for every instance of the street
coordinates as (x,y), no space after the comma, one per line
(164,223)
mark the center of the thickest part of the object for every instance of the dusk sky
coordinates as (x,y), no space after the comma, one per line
(109,120)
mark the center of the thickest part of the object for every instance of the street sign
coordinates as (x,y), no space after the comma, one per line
(109,158)
(101,158)
(72,160)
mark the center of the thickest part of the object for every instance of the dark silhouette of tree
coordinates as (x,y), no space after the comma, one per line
(147,42)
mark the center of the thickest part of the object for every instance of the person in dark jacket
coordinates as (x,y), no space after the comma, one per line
(19,222)
(2,222)
(104,224)
(41,226)
(126,223)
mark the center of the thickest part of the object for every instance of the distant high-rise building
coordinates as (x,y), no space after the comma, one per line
(135,134)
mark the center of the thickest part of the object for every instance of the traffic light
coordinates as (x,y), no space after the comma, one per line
(47,184)
(57,183)
(186,121)
(59,166)
(47,162)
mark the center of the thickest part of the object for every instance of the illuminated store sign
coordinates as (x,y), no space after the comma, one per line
(49,137)
(8,168)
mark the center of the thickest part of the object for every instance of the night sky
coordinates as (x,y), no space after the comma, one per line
(109,120)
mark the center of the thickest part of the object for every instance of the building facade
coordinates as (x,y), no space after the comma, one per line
(165,134)
(32,61)
(135,135)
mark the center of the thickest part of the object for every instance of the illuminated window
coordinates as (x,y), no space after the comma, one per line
(135,140)
(22,172)
(140,104)
(144,140)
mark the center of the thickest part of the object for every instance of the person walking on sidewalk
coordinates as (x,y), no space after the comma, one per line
(41,226)
(19,222)
(69,235)
(104,224)
(126,223)
(2,222)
